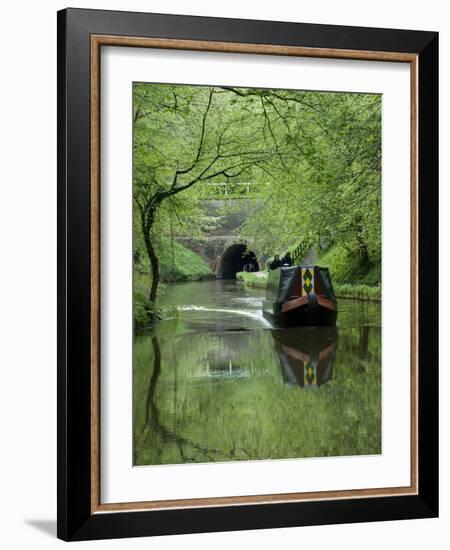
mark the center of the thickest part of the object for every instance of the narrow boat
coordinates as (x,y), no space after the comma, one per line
(300,295)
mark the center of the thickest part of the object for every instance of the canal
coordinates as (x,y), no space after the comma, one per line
(213,381)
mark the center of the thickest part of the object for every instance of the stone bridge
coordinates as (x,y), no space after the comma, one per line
(225,250)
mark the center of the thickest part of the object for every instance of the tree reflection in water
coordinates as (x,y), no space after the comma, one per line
(245,395)
(153,422)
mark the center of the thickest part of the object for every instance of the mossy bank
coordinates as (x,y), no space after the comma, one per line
(177,264)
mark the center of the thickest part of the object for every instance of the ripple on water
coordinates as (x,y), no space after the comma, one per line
(224,305)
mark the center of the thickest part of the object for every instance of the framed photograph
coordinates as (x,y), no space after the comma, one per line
(247,252)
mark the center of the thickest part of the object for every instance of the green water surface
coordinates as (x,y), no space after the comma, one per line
(215,382)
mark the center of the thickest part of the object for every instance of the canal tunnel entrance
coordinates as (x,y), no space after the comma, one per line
(236,258)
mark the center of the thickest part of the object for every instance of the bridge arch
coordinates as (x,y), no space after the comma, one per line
(234,259)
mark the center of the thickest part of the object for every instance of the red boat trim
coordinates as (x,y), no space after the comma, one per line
(324,302)
(323,354)
(295,354)
(296,302)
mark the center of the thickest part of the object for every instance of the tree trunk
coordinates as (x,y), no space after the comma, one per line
(154,263)
(363,254)
(362,245)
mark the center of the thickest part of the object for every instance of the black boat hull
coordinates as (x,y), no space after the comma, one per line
(310,314)
(300,296)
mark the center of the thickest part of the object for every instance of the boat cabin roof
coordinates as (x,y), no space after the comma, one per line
(287,282)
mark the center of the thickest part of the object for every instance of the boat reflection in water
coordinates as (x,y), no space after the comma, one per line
(217,385)
(306,355)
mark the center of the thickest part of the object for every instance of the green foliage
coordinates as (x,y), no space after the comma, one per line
(178,263)
(345,267)
(255,280)
(332,193)
(313,160)
(144,312)
(361,292)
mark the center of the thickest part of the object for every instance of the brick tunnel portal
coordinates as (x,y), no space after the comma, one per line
(235,258)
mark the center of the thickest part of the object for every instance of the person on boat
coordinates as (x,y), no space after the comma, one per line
(286,260)
(275,263)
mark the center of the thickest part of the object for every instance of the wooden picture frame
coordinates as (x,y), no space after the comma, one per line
(81,35)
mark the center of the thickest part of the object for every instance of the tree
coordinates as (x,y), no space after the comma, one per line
(333,189)
(316,157)
(183,136)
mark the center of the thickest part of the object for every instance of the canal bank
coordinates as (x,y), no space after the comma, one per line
(358,291)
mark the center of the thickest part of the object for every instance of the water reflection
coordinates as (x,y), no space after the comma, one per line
(224,367)
(214,385)
(306,355)
(155,425)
